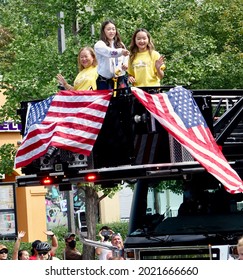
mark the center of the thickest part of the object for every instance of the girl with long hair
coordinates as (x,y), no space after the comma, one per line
(145,65)
(112,57)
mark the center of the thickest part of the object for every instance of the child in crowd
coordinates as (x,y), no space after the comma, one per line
(86,78)
(145,65)
(112,57)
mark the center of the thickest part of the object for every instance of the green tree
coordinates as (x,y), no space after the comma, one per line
(5,56)
(201,41)
(7,154)
(36,58)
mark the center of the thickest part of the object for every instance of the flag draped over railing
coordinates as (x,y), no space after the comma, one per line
(177,111)
(72,120)
(69,120)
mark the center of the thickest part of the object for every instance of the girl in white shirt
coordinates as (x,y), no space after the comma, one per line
(112,58)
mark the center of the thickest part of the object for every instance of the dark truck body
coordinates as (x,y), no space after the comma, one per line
(134,147)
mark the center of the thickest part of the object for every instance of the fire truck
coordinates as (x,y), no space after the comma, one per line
(133,147)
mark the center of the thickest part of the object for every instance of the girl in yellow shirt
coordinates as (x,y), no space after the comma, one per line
(86,78)
(145,64)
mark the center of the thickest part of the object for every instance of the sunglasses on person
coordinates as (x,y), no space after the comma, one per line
(4,251)
(42,253)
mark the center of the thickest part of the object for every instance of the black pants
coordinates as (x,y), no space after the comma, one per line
(103,83)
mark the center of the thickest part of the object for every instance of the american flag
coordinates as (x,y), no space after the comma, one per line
(177,111)
(69,120)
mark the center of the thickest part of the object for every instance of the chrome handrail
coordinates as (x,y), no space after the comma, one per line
(115,250)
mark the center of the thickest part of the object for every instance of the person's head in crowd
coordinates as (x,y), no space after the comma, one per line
(23,255)
(86,58)
(43,251)
(3,252)
(240,248)
(116,240)
(105,233)
(70,251)
(33,247)
(70,240)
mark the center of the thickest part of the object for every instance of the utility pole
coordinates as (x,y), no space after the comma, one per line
(61,34)
(70,211)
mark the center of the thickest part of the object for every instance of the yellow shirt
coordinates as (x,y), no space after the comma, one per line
(86,79)
(143,69)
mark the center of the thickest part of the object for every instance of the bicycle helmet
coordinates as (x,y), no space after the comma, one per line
(43,247)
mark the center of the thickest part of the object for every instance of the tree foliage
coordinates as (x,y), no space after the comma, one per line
(5,56)
(200,39)
(7,154)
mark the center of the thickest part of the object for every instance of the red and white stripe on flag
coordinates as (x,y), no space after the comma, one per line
(186,124)
(72,122)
